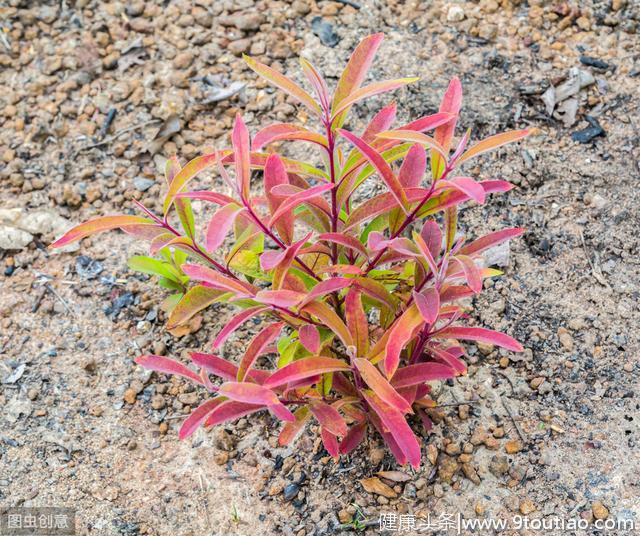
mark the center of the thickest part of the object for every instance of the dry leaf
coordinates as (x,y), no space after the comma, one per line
(170,127)
(394,476)
(377,486)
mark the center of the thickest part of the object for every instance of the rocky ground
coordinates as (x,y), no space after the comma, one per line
(551,434)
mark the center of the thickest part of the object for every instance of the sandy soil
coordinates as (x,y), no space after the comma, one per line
(551,434)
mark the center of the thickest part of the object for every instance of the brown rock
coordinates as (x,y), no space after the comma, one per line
(183,60)
(513,446)
(600,511)
(239,47)
(471,473)
(527,507)
(376,456)
(130,396)
(447,468)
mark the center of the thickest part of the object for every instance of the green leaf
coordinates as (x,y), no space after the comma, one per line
(149,265)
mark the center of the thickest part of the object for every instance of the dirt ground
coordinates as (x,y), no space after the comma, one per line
(551,434)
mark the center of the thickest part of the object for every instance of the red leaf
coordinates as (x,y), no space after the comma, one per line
(380,386)
(432,237)
(280,298)
(242,151)
(345,240)
(467,186)
(330,442)
(215,279)
(329,317)
(380,122)
(215,365)
(296,199)
(395,422)
(381,166)
(284,83)
(250,393)
(291,429)
(480,334)
(206,195)
(471,271)
(286,131)
(400,335)
(420,373)
(97,225)
(310,338)
(451,103)
(256,348)
(326,287)
(235,323)
(450,358)
(428,303)
(317,82)
(354,437)
(413,167)
(275,174)
(493,239)
(304,368)
(329,418)
(167,366)
(356,70)
(230,410)
(357,321)
(198,416)
(220,224)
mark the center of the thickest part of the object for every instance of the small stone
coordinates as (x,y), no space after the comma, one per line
(376,456)
(248,21)
(142,184)
(158,402)
(88,364)
(163,428)
(491,443)
(290,491)
(221,458)
(130,396)
(600,511)
(513,446)
(565,338)
(447,468)
(432,454)
(536,382)
(452,449)
(345,516)
(463,412)
(239,47)
(504,362)
(183,60)
(499,465)
(471,473)
(628,367)
(617,5)
(527,507)
(32,394)
(485,349)
(479,508)
(455,14)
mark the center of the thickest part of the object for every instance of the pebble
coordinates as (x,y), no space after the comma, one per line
(130,396)
(455,13)
(142,184)
(290,491)
(527,507)
(499,465)
(565,338)
(513,446)
(599,510)
(158,402)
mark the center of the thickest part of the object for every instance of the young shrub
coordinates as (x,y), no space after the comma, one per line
(357,296)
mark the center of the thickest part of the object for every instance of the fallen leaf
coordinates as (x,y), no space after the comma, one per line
(171,126)
(377,486)
(394,476)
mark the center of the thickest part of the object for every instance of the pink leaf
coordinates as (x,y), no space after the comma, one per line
(420,373)
(329,418)
(310,338)
(345,240)
(230,410)
(428,303)
(380,122)
(326,287)
(198,416)
(220,224)
(399,336)
(167,366)
(235,323)
(286,131)
(275,173)
(380,386)
(471,271)
(354,437)
(305,368)
(256,348)
(397,426)
(330,442)
(467,186)
(381,166)
(280,298)
(296,199)
(413,167)
(451,103)
(432,237)
(215,279)
(242,160)
(249,393)
(487,336)
(491,240)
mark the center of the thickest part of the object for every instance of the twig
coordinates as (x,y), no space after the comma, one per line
(454,404)
(60,299)
(513,420)
(108,140)
(595,270)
